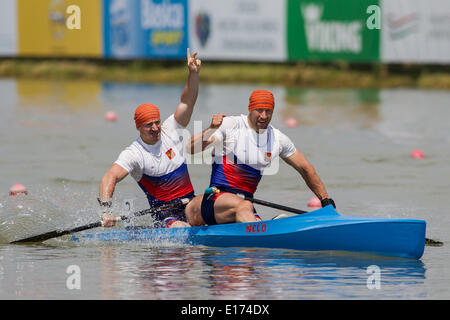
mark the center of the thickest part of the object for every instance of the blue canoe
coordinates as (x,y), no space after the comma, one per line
(322,229)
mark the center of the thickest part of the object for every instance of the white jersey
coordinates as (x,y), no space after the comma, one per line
(242,156)
(159,169)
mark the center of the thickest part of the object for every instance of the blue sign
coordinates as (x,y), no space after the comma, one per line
(145,28)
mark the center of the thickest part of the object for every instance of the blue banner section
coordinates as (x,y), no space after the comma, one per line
(145,28)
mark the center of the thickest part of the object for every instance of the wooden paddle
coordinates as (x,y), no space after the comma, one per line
(57,233)
(428,242)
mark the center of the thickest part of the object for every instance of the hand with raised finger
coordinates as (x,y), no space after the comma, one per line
(192,62)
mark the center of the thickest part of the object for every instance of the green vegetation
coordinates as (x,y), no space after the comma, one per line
(299,74)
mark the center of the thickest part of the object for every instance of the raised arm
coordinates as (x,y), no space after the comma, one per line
(309,174)
(189,95)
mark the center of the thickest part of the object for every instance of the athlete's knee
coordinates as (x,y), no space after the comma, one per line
(177,224)
(245,205)
(244,212)
(193,212)
(238,206)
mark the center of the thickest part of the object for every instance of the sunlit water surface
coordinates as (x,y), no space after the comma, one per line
(54,140)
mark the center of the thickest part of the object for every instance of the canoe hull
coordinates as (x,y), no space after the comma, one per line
(323,229)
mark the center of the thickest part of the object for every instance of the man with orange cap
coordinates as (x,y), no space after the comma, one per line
(244,148)
(156,159)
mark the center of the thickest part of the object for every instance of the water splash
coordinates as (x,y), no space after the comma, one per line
(64,207)
(45,210)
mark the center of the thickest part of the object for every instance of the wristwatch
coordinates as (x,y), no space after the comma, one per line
(104,205)
(328,201)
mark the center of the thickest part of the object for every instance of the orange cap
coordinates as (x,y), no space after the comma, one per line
(261,99)
(145,113)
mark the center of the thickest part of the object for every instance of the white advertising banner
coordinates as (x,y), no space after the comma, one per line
(238,29)
(415,31)
(8,27)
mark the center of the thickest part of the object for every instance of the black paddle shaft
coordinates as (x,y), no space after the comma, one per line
(274,205)
(216,190)
(58,233)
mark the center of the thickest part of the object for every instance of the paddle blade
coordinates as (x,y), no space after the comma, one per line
(58,233)
(178,203)
(433,243)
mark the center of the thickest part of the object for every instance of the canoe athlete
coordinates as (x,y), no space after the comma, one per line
(156,159)
(244,148)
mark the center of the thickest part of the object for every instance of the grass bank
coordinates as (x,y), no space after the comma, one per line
(299,74)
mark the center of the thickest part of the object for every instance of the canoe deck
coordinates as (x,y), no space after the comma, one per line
(322,229)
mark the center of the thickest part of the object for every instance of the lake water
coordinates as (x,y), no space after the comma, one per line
(54,140)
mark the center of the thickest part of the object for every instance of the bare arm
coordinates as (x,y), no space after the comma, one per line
(115,174)
(201,141)
(189,95)
(309,174)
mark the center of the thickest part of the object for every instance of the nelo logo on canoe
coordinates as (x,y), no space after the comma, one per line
(256,228)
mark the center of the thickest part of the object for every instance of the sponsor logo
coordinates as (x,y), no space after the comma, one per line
(165,15)
(402,27)
(330,36)
(256,228)
(170,154)
(120,16)
(166,38)
(165,22)
(202,27)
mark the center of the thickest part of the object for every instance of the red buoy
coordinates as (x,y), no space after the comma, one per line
(111,116)
(418,154)
(291,123)
(314,202)
(17,189)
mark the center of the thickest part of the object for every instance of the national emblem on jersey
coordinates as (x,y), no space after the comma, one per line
(170,153)
(268,156)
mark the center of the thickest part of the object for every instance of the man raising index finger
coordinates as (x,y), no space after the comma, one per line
(156,158)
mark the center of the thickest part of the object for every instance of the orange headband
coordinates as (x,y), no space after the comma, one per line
(145,113)
(261,99)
